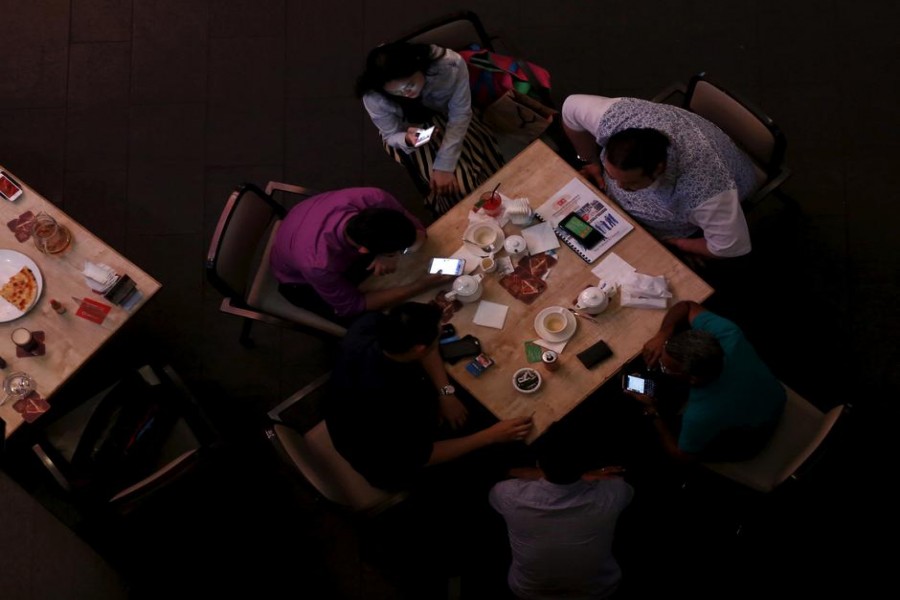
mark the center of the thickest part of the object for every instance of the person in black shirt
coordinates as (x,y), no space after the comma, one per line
(390,393)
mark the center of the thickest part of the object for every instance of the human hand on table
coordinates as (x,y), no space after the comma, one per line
(510,430)
(594,172)
(653,349)
(384,264)
(443,183)
(452,411)
(648,401)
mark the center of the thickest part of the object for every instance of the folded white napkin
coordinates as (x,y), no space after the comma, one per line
(490,314)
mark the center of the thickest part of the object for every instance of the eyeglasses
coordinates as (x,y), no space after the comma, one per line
(406,88)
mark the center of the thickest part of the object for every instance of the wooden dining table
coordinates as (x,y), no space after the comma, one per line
(536,174)
(69,340)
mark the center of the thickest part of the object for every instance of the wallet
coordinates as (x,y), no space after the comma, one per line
(595,354)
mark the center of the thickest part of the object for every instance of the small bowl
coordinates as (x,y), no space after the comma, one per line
(527,380)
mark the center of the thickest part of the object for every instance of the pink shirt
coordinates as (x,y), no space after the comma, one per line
(310,247)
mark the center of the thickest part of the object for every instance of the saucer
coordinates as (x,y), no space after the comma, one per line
(473,246)
(562,336)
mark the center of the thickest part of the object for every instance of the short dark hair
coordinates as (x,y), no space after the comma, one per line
(559,460)
(397,60)
(381,230)
(637,148)
(407,325)
(698,354)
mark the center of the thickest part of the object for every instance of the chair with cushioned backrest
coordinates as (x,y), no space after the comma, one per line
(313,454)
(130,440)
(799,434)
(457,31)
(237,263)
(750,128)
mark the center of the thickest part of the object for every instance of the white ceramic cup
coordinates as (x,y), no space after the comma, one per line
(488,264)
(555,321)
(484,235)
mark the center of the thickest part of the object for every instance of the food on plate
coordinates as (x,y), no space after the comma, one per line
(21,289)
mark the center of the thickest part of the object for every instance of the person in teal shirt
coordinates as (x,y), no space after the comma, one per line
(734,400)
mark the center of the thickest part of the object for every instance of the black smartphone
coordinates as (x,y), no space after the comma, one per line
(461,348)
(636,383)
(584,232)
(594,354)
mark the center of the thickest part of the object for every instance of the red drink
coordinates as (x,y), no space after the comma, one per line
(492,204)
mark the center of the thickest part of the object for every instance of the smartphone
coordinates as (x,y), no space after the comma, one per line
(584,233)
(636,383)
(594,354)
(9,188)
(462,348)
(422,136)
(447,266)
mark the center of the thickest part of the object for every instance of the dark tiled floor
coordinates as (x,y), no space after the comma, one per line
(138,116)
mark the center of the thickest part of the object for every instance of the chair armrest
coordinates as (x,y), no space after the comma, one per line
(288,188)
(770,186)
(672,91)
(51,466)
(275,413)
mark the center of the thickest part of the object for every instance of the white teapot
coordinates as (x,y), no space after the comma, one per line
(466,288)
(593,300)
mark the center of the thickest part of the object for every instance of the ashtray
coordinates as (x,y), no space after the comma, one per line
(526,380)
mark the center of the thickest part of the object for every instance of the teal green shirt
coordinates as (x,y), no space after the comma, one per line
(745,400)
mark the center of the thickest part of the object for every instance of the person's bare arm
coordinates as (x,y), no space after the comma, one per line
(667,438)
(679,316)
(509,430)
(696,246)
(584,143)
(451,409)
(381,299)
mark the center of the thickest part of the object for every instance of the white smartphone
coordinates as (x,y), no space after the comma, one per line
(447,266)
(423,135)
(9,189)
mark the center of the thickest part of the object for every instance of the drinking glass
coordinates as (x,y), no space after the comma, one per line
(17,385)
(50,237)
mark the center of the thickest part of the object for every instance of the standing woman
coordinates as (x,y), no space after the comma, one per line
(408,86)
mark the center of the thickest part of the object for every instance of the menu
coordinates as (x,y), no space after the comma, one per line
(576,197)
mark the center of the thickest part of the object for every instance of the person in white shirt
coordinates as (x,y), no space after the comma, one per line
(561,522)
(676,173)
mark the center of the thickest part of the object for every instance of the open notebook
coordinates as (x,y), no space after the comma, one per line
(576,196)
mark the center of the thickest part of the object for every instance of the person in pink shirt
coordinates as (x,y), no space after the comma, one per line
(329,243)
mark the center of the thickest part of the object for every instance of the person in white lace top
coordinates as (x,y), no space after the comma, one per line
(675,172)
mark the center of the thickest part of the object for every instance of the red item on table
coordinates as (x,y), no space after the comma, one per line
(21,226)
(448,307)
(492,204)
(92,310)
(31,407)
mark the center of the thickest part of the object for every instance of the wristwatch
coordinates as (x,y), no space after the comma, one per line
(447,390)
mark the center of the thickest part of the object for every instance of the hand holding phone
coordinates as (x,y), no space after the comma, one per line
(423,136)
(638,384)
(447,266)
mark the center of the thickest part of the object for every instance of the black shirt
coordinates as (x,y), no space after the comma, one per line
(382,414)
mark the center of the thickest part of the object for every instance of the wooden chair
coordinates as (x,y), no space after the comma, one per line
(750,128)
(314,456)
(237,263)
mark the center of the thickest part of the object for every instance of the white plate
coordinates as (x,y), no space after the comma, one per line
(11,262)
(474,248)
(562,336)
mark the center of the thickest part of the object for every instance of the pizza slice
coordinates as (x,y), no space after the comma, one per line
(21,289)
